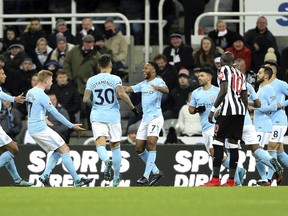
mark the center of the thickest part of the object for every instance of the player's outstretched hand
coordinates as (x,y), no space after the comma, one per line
(136,111)
(78,127)
(20,98)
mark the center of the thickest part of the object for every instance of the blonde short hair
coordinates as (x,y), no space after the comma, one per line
(43,75)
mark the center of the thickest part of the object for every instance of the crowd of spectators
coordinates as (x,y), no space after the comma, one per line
(74,58)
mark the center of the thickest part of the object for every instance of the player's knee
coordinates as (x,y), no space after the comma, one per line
(139,149)
(14,149)
(151,146)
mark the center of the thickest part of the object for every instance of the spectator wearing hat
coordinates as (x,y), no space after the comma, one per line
(131,137)
(239,50)
(29,38)
(179,54)
(42,54)
(205,55)
(10,36)
(60,52)
(14,56)
(52,66)
(178,96)
(222,36)
(22,78)
(100,45)
(81,63)
(115,41)
(21,82)
(87,29)
(270,55)
(61,30)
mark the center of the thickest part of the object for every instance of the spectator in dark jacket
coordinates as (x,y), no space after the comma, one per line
(60,30)
(41,54)
(22,77)
(67,94)
(166,71)
(221,36)
(57,125)
(29,39)
(14,56)
(10,119)
(10,35)
(178,96)
(178,54)
(87,29)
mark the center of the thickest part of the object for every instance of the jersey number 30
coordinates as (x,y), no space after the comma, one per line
(106,95)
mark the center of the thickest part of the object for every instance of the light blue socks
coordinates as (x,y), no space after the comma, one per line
(116,159)
(144,157)
(150,163)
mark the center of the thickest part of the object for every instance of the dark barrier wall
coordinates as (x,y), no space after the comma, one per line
(183,165)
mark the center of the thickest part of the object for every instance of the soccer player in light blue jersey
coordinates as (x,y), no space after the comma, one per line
(38,103)
(151,89)
(105,114)
(262,117)
(250,139)
(279,119)
(8,147)
(202,100)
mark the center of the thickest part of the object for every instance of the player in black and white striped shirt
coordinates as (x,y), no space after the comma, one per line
(233,101)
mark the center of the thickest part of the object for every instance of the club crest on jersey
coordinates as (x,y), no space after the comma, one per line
(212,98)
(220,75)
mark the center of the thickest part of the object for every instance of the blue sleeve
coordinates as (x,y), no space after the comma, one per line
(193,100)
(60,117)
(6,97)
(50,108)
(137,87)
(89,85)
(271,105)
(251,91)
(284,103)
(284,88)
(117,81)
(161,83)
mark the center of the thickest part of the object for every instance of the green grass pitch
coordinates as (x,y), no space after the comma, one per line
(166,201)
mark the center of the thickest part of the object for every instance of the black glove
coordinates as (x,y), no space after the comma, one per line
(200,109)
(136,112)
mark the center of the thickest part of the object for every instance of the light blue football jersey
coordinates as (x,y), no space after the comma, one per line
(6,97)
(279,117)
(37,103)
(252,95)
(201,97)
(105,106)
(262,115)
(151,99)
